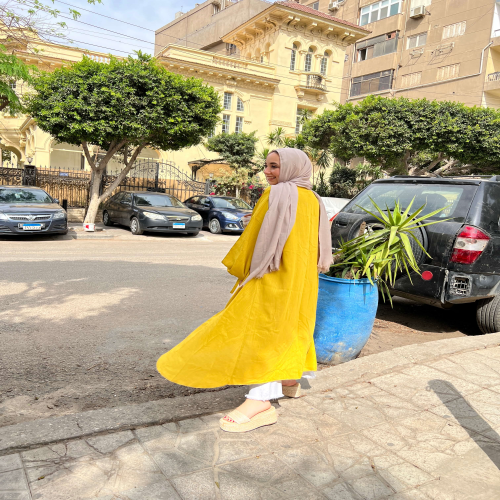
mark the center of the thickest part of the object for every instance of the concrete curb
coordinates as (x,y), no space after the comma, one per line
(40,432)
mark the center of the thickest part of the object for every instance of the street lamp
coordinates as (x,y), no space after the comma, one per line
(30,159)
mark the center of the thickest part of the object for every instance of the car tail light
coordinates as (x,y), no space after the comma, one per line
(469,245)
(331,220)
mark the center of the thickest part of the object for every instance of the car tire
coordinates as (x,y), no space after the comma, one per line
(488,314)
(214,226)
(196,233)
(106,219)
(135,226)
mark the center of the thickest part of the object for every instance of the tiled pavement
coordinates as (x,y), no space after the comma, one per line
(416,423)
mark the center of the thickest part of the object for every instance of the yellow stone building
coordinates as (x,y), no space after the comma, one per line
(282,60)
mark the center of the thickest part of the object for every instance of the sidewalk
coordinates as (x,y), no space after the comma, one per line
(420,422)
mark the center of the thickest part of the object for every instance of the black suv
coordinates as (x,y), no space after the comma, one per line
(465,248)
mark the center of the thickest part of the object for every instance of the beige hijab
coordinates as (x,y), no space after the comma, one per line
(295,172)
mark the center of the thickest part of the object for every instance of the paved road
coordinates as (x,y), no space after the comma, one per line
(82,322)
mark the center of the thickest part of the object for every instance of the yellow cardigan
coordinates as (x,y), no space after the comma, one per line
(265,333)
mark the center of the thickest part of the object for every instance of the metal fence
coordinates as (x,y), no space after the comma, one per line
(71,187)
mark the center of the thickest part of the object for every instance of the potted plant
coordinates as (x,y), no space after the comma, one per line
(364,266)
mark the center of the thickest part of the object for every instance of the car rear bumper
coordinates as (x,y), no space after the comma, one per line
(11,228)
(447,288)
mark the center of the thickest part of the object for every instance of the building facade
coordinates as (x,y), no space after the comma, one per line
(268,68)
(269,62)
(437,49)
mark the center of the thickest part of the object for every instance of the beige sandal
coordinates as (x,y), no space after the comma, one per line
(292,391)
(244,424)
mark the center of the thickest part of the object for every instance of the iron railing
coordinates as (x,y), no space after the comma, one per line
(71,187)
(315,82)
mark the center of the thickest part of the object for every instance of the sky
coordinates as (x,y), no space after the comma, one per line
(146,15)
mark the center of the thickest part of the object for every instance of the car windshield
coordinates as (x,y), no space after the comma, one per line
(20,195)
(230,203)
(454,199)
(157,200)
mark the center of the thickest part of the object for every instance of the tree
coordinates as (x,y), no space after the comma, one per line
(22,19)
(121,108)
(342,182)
(237,149)
(409,136)
(12,70)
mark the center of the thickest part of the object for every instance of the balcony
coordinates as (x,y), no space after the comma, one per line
(492,83)
(311,83)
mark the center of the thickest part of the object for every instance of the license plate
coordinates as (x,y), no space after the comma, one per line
(179,225)
(32,227)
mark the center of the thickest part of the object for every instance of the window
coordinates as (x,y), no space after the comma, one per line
(416,40)
(13,85)
(447,72)
(315,5)
(378,46)
(127,199)
(374,82)
(262,59)
(293,56)
(298,122)
(228,100)
(216,8)
(379,10)
(411,79)
(230,48)
(211,133)
(308,61)
(452,30)
(324,64)
(226,120)
(239,124)
(239,105)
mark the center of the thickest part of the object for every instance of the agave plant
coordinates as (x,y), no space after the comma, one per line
(381,254)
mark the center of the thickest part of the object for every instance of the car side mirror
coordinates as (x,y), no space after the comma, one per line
(206,204)
(56,200)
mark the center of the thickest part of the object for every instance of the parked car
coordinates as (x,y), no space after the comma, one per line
(220,213)
(464,246)
(152,212)
(29,210)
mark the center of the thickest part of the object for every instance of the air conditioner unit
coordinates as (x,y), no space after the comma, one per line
(417,12)
(333,6)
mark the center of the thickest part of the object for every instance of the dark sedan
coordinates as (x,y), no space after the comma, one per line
(220,213)
(152,212)
(30,210)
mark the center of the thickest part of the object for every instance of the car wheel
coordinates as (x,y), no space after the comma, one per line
(105,219)
(196,233)
(488,315)
(135,227)
(214,226)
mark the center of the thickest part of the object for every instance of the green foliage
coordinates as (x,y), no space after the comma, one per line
(12,70)
(396,134)
(381,254)
(366,174)
(133,102)
(322,188)
(237,149)
(342,182)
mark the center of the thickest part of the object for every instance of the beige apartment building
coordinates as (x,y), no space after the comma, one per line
(437,49)
(268,61)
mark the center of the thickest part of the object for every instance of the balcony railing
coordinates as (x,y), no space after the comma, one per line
(315,82)
(494,77)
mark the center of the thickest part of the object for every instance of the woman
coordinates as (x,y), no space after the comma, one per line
(264,336)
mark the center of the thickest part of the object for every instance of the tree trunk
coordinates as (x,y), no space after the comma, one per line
(95,184)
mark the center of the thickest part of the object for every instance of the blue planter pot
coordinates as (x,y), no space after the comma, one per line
(344,318)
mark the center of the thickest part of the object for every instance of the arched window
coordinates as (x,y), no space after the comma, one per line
(293,57)
(308,61)
(324,64)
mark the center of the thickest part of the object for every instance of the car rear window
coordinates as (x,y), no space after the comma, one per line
(20,195)
(157,200)
(455,199)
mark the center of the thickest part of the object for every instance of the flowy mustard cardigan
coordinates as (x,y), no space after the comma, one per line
(265,332)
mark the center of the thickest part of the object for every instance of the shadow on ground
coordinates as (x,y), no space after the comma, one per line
(79,335)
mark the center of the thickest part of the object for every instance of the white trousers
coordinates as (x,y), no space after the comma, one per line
(270,390)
